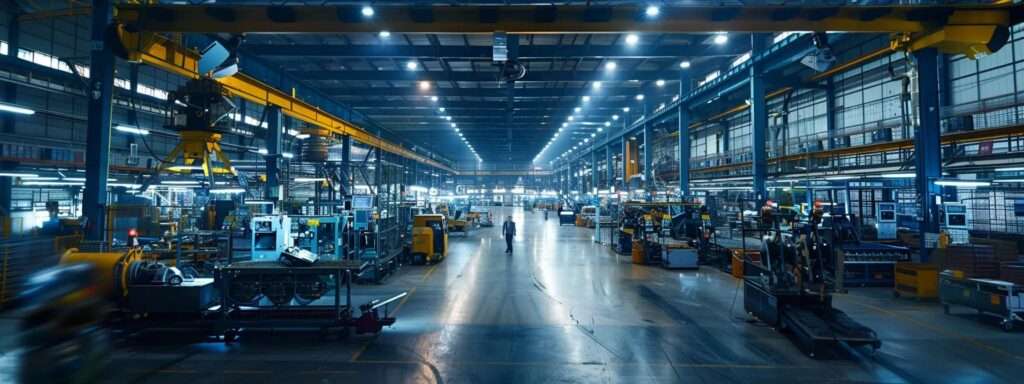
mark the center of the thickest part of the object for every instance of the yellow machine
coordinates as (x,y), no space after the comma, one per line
(429,238)
(111,268)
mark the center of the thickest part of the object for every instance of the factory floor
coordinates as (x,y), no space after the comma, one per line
(563,309)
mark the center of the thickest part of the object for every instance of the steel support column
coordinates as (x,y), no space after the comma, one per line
(97,142)
(10,94)
(275,128)
(830,113)
(346,166)
(593,169)
(684,135)
(609,168)
(6,186)
(928,147)
(758,119)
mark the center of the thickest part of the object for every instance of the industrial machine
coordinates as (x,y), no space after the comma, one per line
(270,236)
(429,238)
(321,235)
(791,288)
(955,217)
(885,221)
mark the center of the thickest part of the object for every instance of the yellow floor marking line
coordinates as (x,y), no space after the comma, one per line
(968,340)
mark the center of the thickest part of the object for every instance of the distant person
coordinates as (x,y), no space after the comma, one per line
(509,230)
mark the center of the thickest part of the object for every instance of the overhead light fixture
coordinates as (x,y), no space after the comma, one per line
(14,174)
(593,134)
(411,65)
(227,190)
(433,98)
(1008,181)
(660,83)
(610,66)
(309,179)
(130,129)
(640,97)
(302,136)
(424,85)
(1010,169)
(840,178)
(563,126)
(453,125)
(7,107)
(962,183)
(441,109)
(577,109)
(615,117)
(607,123)
(368,11)
(632,39)
(599,129)
(449,118)
(384,34)
(570,118)
(720,38)
(625,109)
(586,99)
(684,64)
(899,175)
(596,85)
(652,11)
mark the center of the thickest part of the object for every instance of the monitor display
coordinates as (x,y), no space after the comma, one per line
(362,202)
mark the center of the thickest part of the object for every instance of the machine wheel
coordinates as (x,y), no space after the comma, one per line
(1007,325)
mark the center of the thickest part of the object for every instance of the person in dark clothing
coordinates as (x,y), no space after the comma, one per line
(509,230)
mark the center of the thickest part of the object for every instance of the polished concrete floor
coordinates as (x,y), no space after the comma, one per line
(562,309)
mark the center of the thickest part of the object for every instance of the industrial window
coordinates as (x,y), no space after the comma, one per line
(151,91)
(3,48)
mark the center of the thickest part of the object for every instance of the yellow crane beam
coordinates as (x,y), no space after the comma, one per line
(529,19)
(153,50)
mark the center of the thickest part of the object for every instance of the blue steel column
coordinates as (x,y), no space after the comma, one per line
(275,128)
(758,119)
(97,142)
(609,169)
(927,145)
(10,88)
(346,166)
(648,140)
(684,134)
(593,169)
(830,113)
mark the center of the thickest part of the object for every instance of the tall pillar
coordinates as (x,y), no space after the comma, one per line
(275,128)
(609,167)
(10,89)
(830,113)
(684,134)
(346,165)
(758,118)
(593,169)
(97,142)
(648,164)
(927,146)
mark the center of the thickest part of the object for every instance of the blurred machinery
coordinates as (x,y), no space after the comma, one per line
(322,235)
(791,288)
(429,238)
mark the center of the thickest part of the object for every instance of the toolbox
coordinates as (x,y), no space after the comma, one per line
(916,280)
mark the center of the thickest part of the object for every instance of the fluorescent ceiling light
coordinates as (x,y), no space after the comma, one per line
(615,117)
(309,179)
(652,11)
(132,130)
(227,190)
(367,11)
(1010,169)
(721,38)
(840,178)
(684,64)
(1008,181)
(640,97)
(962,183)
(899,175)
(596,85)
(7,107)
(632,39)
(384,34)
(287,155)
(424,85)
(411,65)
(15,174)
(660,83)
(433,98)
(610,66)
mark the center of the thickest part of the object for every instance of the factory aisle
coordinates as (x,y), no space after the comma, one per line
(563,309)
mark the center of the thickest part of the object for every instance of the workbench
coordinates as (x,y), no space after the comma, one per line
(1002,299)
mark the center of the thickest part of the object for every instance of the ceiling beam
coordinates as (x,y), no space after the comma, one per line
(526,52)
(477,92)
(475,76)
(528,19)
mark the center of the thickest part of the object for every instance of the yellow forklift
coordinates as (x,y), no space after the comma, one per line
(429,238)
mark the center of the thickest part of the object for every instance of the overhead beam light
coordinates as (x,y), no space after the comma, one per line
(632,39)
(684,64)
(610,66)
(441,109)
(660,83)
(16,109)
(625,109)
(411,65)
(132,130)
(615,117)
(586,99)
(577,109)
(433,98)
(424,85)
(384,34)
(368,11)
(720,38)
(652,11)
(640,97)
(596,85)
(962,183)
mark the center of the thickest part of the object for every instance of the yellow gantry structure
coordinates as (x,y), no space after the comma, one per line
(159,52)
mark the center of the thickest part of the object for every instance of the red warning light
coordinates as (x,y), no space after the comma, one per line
(133,233)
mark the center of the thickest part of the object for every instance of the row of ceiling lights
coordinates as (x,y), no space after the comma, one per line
(425,85)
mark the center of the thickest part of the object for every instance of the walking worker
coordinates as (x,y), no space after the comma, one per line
(509,230)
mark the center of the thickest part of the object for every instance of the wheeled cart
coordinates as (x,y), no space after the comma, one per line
(1001,299)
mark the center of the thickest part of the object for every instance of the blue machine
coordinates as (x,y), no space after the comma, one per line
(270,237)
(321,235)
